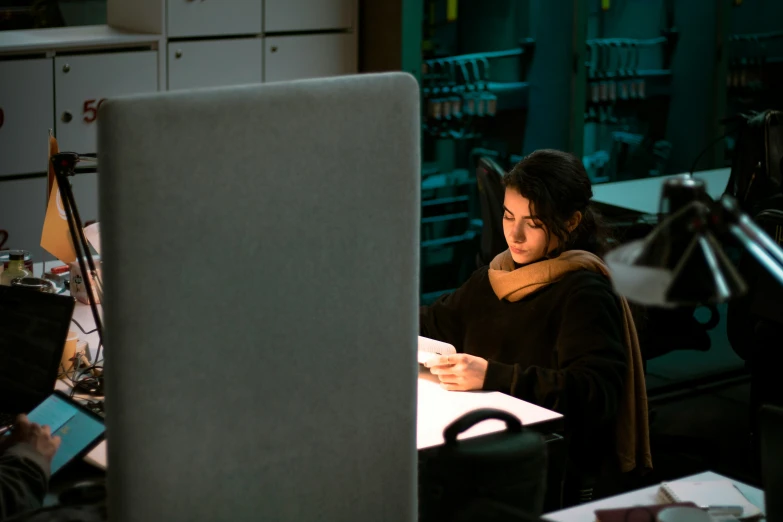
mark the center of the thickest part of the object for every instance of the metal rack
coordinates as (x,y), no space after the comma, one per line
(617,90)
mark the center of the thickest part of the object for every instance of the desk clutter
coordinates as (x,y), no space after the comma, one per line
(715,496)
(715,499)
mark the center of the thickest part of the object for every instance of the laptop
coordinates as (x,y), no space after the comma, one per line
(33,329)
(772,461)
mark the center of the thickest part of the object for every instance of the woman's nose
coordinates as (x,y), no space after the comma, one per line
(519,233)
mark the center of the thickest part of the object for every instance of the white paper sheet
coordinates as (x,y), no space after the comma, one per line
(93,235)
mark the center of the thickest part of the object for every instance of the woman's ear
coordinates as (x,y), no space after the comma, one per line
(572,223)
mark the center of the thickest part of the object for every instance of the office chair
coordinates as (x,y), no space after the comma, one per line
(489,178)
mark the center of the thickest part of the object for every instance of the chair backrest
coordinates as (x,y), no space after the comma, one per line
(757,165)
(260,251)
(489,177)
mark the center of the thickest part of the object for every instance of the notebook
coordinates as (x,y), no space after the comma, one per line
(429,348)
(706,494)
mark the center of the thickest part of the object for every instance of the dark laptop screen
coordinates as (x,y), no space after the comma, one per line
(33,330)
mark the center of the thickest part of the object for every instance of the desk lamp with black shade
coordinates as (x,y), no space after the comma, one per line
(64,164)
(682,263)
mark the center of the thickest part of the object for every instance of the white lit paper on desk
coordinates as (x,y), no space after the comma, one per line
(97,457)
(437,408)
(706,494)
(93,235)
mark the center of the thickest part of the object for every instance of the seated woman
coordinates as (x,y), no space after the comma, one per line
(543,323)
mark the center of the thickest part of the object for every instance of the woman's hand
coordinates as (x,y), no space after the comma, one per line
(39,437)
(459,371)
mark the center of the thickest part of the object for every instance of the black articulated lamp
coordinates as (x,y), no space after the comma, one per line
(64,164)
(682,261)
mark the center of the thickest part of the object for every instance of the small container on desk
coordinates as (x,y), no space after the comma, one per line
(34,283)
(5,257)
(15,265)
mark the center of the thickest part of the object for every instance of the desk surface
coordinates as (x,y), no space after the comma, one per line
(436,407)
(644,195)
(646,496)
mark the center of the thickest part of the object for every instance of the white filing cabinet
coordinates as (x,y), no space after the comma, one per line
(26,113)
(83,81)
(308,56)
(85,191)
(212,63)
(188,18)
(22,211)
(308,15)
(59,77)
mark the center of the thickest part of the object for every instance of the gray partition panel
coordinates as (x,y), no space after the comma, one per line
(260,250)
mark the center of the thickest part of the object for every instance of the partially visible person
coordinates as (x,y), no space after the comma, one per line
(25,465)
(543,323)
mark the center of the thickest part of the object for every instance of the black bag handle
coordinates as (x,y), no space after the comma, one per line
(472,418)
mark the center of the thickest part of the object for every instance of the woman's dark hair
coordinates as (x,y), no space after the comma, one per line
(557,185)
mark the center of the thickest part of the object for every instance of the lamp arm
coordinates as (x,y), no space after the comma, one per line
(64,163)
(753,238)
(756,249)
(758,235)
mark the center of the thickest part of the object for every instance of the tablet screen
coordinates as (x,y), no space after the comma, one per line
(77,428)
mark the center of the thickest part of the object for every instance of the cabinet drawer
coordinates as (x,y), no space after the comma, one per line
(200,18)
(26,115)
(85,191)
(22,211)
(83,81)
(311,56)
(214,63)
(308,15)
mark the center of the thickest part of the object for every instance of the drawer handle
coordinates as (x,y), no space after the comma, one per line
(66,68)
(67,117)
(178,54)
(273,49)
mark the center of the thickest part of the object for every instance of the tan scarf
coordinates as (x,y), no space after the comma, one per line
(512,284)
